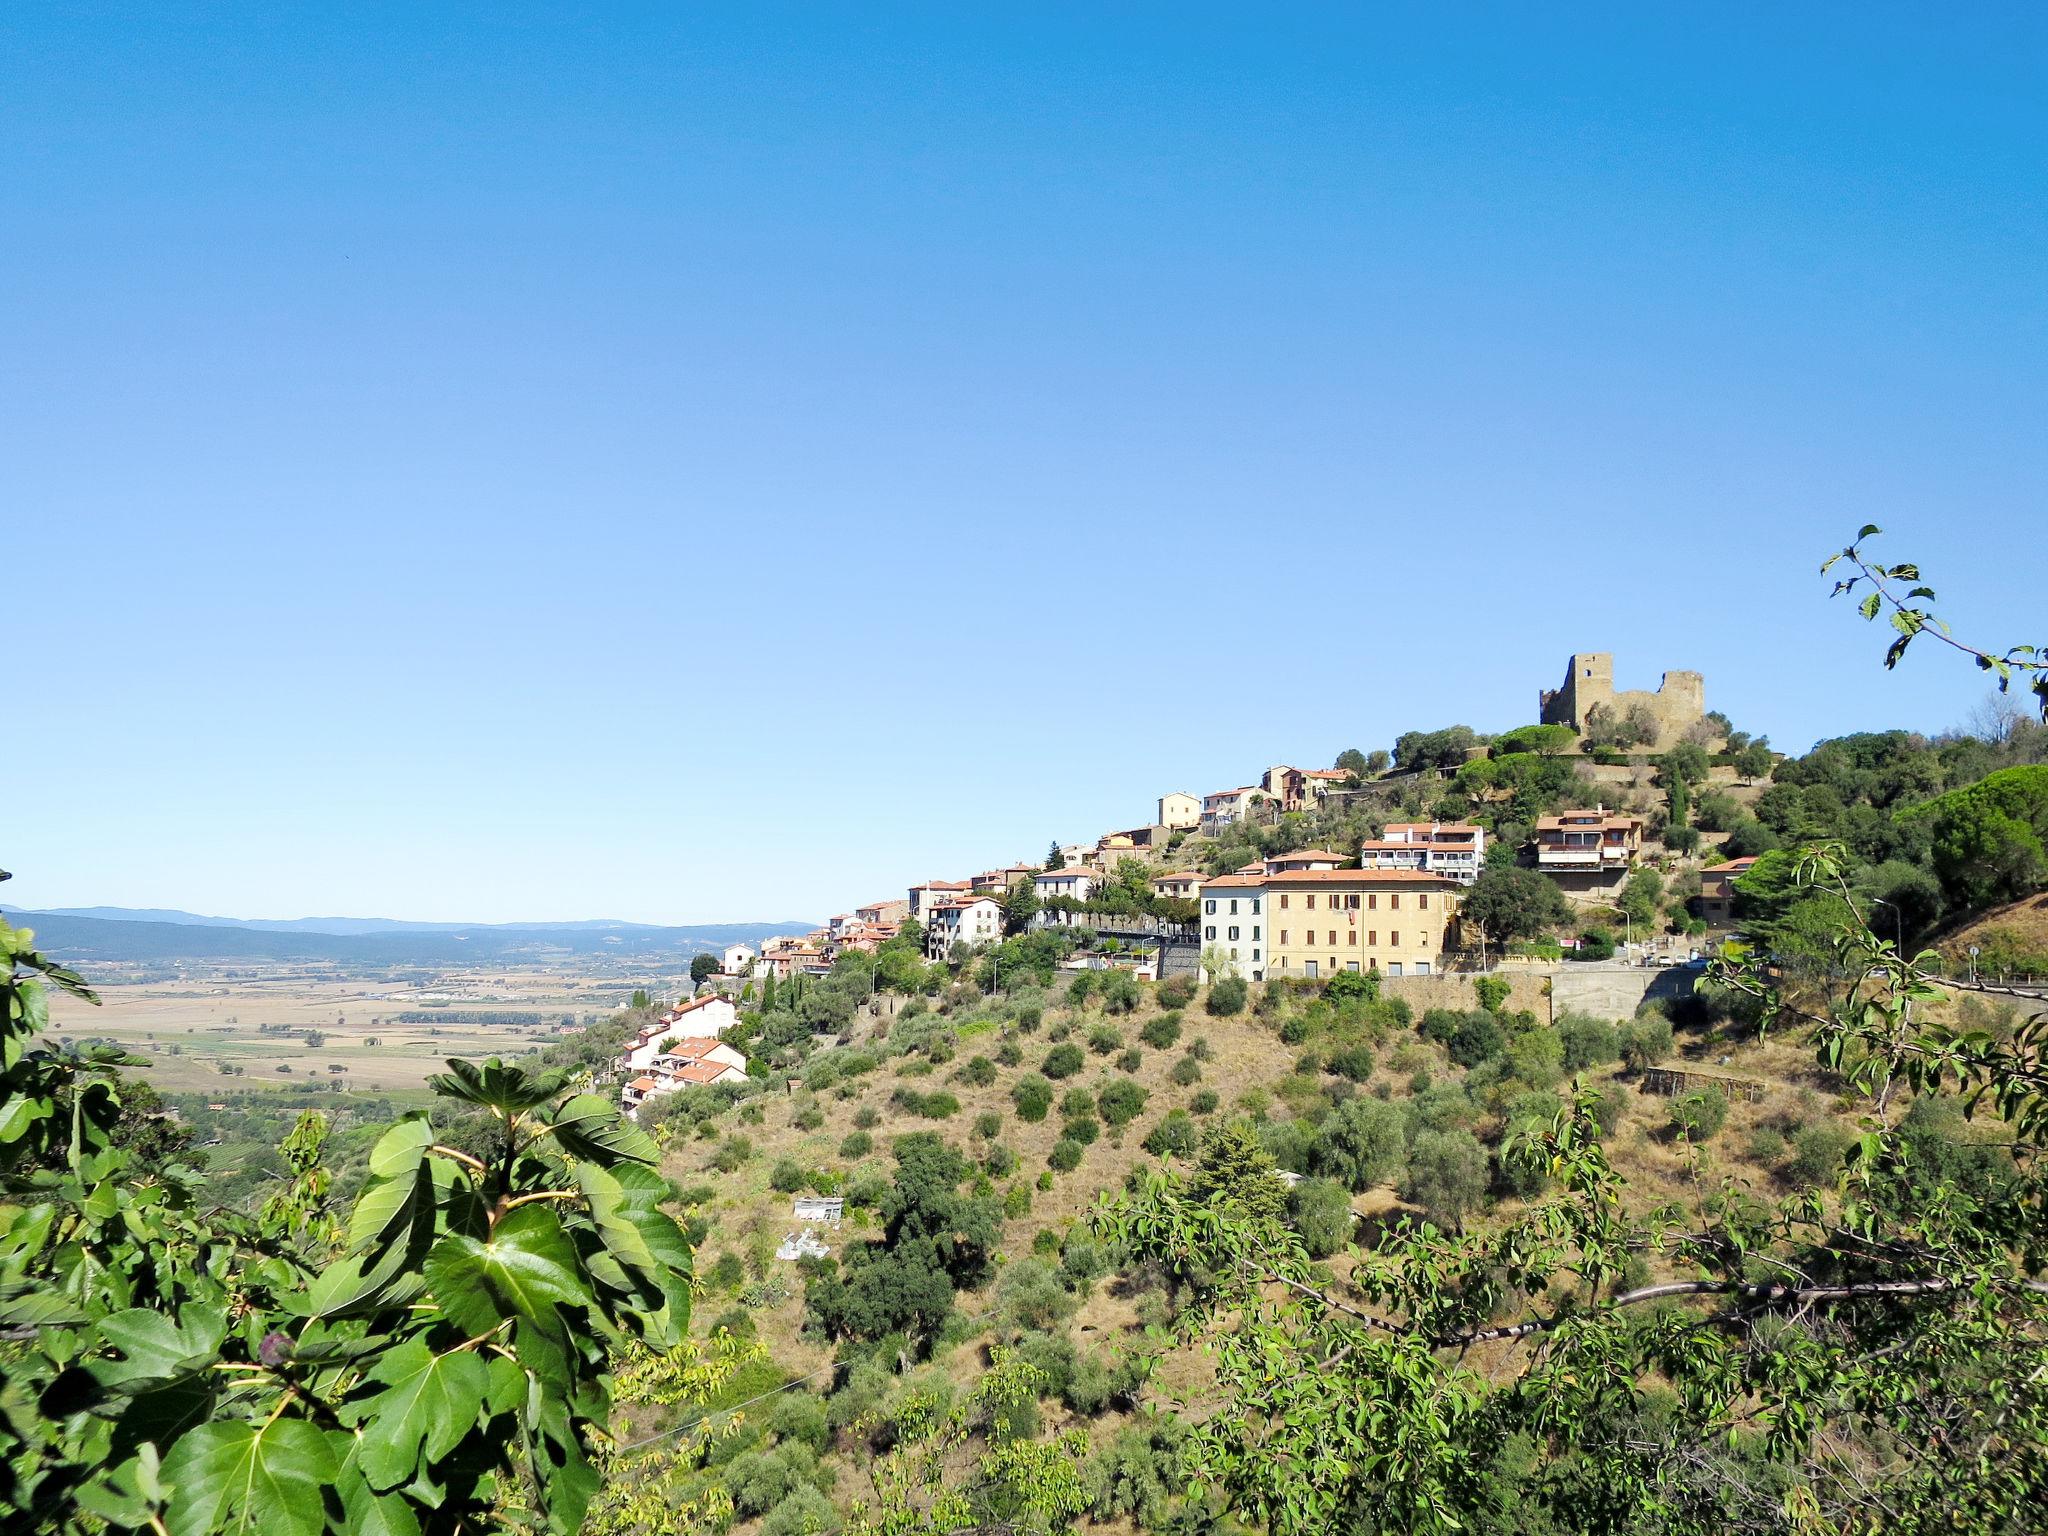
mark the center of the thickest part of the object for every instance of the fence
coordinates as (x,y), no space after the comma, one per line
(1672,1081)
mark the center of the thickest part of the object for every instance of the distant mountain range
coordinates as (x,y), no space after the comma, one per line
(141,933)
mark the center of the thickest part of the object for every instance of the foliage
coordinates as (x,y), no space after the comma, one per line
(1062,1061)
(1227,996)
(434,1358)
(1513,903)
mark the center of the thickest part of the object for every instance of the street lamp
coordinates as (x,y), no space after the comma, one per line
(1973,965)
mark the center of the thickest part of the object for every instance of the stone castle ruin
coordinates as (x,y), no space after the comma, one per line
(1679,702)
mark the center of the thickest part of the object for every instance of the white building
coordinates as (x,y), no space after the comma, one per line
(1227,806)
(1178,811)
(1451,849)
(1076,884)
(1233,925)
(963,920)
(736,959)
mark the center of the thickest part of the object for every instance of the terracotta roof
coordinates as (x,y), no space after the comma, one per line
(1305,853)
(1236,881)
(703,1002)
(697,1046)
(644,1084)
(1179,874)
(1339,877)
(1324,773)
(704,1071)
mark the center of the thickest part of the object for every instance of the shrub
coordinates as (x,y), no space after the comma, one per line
(1077,1101)
(732,1154)
(1131,1060)
(1227,997)
(1016,1202)
(1121,992)
(867,1117)
(1588,1042)
(1320,1210)
(1081,1128)
(1172,1137)
(1536,1057)
(1817,1153)
(1186,1071)
(1595,944)
(1066,1157)
(1121,1102)
(788,1176)
(1161,1032)
(1029,1018)
(1361,1143)
(1645,1041)
(1354,1062)
(1010,1054)
(1201,1050)
(1000,1162)
(1104,1038)
(1477,1038)
(938,1106)
(728,1274)
(979,1072)
(1176,992)
(1446,1175)
(1203,1103)
(1030,1295)
(1492,991)
(988,1125)
(1033,1098)
(1699,1115)
(1063,1061)
(1081,989)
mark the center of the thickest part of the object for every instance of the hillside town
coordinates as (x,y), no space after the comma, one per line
(1614,770)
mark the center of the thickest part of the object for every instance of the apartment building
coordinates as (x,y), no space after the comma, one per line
(1452,849)
(1717,889)
(1182,884)
(1179,811)
(1319,922)
(930,893)
(1076,883)
(1228,806)
(963,920)
(1587,842)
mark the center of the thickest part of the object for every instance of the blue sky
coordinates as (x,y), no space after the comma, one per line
(726,463)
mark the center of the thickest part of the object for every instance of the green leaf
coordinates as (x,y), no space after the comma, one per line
(525,1267)
(19,1113)
(590,1127)
(507,1089)
(428,1400)
(155,1349)
(232,1477)
(401,1148)
(371,1513)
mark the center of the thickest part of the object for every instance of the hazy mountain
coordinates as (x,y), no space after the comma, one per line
(138,939)
(346,925)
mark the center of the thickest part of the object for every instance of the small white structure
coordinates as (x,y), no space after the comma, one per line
(802,1245)
(736,959)
(829,1209)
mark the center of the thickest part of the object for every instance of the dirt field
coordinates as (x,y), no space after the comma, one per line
(267,1024)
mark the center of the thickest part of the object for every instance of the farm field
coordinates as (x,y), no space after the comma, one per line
(284,1025)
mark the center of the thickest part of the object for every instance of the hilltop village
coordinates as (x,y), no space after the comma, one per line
(1367,867)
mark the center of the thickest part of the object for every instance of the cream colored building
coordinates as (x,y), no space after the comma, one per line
(1318,923)
(1179,811)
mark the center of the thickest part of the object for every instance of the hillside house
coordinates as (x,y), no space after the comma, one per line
(884,914)
(963,920)
(923,897)
(1075,884)
(1181,885)
(1717,890)
(1299,789)
(1226,807)
(1578,842)
(1179,811)
(1300,859)
(737,959)
(1451,849)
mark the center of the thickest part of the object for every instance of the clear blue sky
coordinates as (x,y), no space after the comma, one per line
(725,463)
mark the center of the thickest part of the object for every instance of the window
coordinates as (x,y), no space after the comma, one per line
(1255,933)
(1350,965)
(1351,902)
(1394,939)
(1310,900)
(1283,901)
(1233,953)
(1233,930)
(1255,954)
(1209,932)
(1393,968)
(1373,938)
(1333,940)
(1310,967)
(1351,938)
(1394,902)
(1422,967)
(1255,906)
(1233,906)
(1283,935)
(1211,905)
(1422,903)
(1283,962)
(1372,902)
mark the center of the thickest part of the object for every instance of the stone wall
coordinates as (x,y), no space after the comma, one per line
(1680,699)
